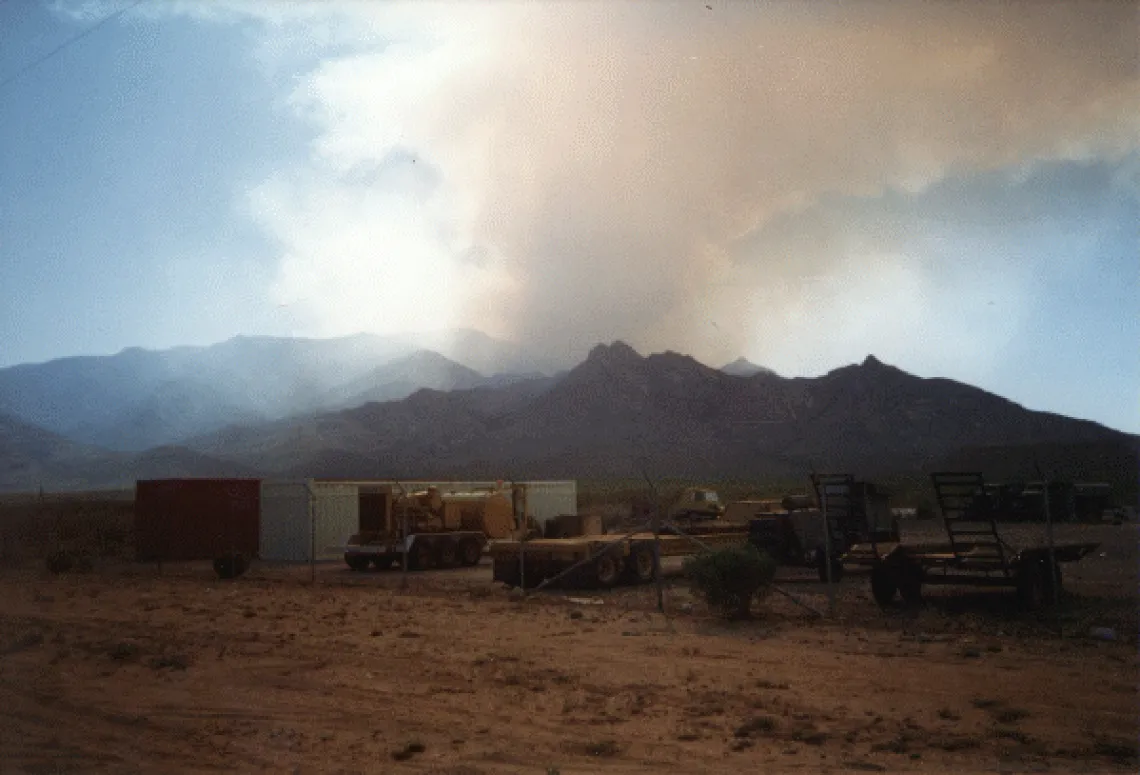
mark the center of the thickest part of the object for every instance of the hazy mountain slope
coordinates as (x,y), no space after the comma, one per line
(139,398)
(618,414)
(401,377)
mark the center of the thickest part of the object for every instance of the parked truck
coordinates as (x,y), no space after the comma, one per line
(431,528)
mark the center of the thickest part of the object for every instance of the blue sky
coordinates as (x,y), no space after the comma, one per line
(953,187)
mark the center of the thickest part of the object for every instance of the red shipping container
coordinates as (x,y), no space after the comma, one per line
(196,519)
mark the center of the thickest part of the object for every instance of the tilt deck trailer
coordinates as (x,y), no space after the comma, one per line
(606,560)
(849,522)
(975,554)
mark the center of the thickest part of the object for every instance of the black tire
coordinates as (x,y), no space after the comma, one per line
(908,575)
(470,552)
(356,562)
(821,566)
(419,556)
(1035,588)
(230,566)
(884,585)
(607,570)
(641,567)
(383,561)
(506,572)
(447,555)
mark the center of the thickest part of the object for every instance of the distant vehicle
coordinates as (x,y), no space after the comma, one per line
(696,503)
(1119,515)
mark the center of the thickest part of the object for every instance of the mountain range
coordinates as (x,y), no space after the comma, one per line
(139,398)
(258,407)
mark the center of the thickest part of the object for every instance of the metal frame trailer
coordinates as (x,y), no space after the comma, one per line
(603,561)
(848,511)
(975,554)
(424,550)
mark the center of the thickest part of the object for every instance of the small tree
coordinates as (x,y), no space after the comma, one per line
(730,578)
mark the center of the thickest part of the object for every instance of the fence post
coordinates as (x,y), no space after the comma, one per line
(827,550)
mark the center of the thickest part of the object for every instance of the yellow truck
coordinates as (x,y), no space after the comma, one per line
(433,528)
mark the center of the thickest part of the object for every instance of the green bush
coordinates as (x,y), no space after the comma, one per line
(730,578)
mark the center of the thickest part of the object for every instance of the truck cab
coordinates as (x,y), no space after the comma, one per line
(697,503)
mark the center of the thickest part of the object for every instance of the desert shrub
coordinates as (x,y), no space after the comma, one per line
(730,578)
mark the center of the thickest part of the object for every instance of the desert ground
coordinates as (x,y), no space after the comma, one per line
(129,668)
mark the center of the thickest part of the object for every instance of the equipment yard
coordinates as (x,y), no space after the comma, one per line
(124,670)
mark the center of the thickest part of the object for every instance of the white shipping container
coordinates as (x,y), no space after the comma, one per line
(288,531)
(285,533)
(337,514)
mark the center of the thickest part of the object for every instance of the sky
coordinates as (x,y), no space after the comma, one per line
(952,186)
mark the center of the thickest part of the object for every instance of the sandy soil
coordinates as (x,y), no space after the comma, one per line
(122,670)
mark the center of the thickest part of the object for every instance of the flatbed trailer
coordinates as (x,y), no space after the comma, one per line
(975,554)
(605,560)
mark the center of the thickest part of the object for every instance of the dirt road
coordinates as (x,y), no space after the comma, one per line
(124,671)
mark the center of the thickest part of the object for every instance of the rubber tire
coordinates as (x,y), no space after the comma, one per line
(1034,585)
(908,575)
(419,556)
(230,566)
(607,571)
(884,585)
(383,561)
(356,562)
(641,567)
(821,567)
(447,555)
(470,553)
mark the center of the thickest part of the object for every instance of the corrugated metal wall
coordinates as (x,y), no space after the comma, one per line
(337,512)
(285,532)
(196,519)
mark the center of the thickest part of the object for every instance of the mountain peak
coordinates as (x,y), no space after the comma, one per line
(872,361)
(742,367)
(617,351)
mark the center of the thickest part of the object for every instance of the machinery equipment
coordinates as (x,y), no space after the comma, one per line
(433,528)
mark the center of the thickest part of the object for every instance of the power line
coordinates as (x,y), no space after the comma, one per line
(37,62)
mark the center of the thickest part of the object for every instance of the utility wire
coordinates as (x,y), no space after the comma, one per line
(37,62)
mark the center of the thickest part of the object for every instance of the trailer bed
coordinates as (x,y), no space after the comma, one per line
(605,559)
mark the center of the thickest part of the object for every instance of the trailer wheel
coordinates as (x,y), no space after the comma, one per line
(884,586)
(908,575)
(1035,587)
(230,566)
(641,567)
(607,570)
(419,556)
(821,566)
(356,562)
(470,552)
(911,590)
(447,557)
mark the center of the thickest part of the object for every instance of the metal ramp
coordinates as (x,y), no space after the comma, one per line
(970,519)
(836,496)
